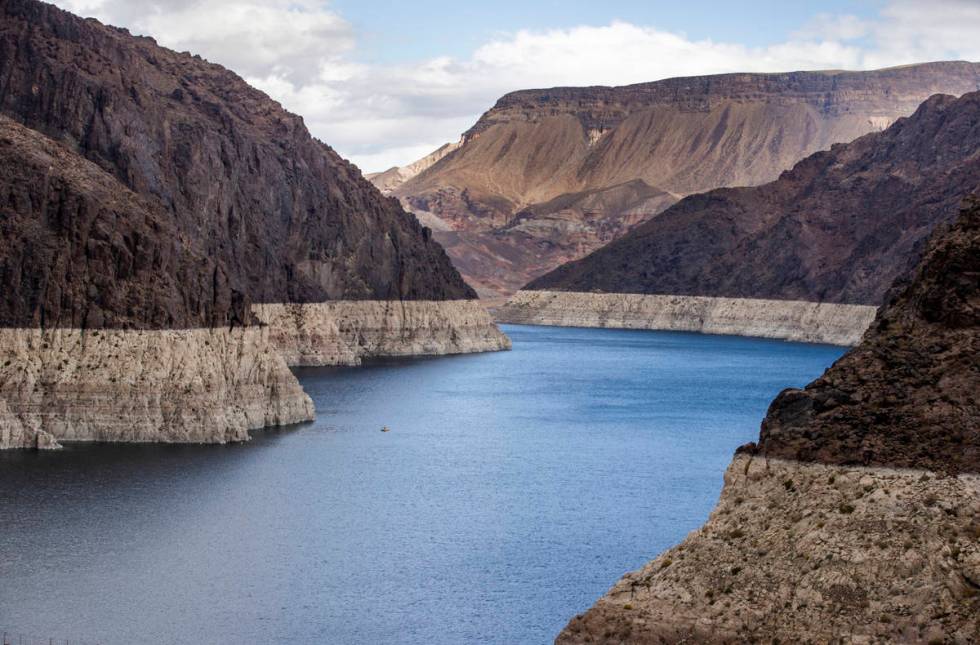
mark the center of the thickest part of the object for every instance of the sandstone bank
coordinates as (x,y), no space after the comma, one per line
(345,332)
(809,322)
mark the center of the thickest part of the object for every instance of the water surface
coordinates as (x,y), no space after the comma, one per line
(513,489)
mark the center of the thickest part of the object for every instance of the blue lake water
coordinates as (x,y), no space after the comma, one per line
(513,489)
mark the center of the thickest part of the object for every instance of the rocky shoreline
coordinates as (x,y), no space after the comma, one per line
(804,552)
(345,332)
(172,386)
(810,322)
(856,517)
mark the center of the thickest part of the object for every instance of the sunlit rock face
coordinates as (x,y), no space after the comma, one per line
(547,176)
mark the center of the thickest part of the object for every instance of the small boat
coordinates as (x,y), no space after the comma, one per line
(385,429)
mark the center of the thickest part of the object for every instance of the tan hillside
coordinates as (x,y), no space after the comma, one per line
(528,188)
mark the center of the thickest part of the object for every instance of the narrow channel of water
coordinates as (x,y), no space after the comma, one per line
(512,490)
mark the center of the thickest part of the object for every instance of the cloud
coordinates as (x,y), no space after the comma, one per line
(298,40)
(305,55)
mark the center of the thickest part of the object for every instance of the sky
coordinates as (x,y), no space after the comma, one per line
(385,83)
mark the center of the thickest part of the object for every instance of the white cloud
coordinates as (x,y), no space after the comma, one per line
(300,40)
(304,55)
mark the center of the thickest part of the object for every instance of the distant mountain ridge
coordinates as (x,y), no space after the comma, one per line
(508,193)
(839,227)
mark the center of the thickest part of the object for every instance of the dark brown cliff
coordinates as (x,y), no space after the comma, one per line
(287,218)
(80,250)
(909,395)
(840,226)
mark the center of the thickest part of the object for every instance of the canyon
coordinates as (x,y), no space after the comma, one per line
(548,176)
(838,228)
(855,515)
(152,203)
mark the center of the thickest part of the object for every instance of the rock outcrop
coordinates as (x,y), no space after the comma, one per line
(150,199)
(547,176)
(290,220)
(173,386)
(807,322)
(857,516)
(347,332)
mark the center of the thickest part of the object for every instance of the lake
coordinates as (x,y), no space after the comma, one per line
(512,490)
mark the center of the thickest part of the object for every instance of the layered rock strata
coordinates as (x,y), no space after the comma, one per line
(346,332)
(808,322)
(856,518)
(841,226)
(173,386)
(547,176)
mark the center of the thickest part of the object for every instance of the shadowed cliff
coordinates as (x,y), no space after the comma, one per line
(287,218)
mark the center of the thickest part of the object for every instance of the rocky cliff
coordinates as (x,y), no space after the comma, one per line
(157,196)
(856,518)
(794,320)
(290,219)
(113,325)
(547,176)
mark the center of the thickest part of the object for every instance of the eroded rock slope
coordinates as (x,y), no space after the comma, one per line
(547,176)
(856,518)
(838,228)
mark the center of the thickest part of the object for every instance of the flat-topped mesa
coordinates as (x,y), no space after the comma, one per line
(831,92)
(857,517)
(180,197)
(839,227)
(547,176)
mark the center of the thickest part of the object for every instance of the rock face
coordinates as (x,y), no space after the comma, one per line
(807,553)
(290,219)
(113,325)
(857,517)
(345,332)
(807,322)
(547,176)
(908,395)
(80,250)
(840,226)
(149,200)
(179,385)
